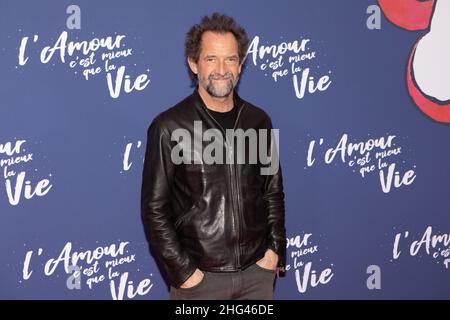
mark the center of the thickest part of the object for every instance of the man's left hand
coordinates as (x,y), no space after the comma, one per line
(269,261)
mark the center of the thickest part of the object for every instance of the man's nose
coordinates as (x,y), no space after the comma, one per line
(221,67)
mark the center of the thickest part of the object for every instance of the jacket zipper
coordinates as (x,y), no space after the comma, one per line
(236,206)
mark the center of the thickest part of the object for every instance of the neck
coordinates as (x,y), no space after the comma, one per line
(216,104)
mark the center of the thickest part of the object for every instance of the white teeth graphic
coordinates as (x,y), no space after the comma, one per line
(431,63)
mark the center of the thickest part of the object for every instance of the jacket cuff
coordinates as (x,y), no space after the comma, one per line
(280,250)
(180,277)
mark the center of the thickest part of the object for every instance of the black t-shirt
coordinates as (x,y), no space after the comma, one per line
(225,119)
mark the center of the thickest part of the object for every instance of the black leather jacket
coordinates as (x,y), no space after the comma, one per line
(217,217)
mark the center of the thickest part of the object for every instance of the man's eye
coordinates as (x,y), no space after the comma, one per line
(210,59)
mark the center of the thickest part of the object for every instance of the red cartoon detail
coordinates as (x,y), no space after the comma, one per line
(428,68)
(434,110)
(408,14)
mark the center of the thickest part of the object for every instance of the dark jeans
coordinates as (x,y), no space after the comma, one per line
(253,283)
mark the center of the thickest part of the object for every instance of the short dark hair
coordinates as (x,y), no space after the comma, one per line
(218,23)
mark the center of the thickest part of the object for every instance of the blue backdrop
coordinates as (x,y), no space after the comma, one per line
(366,169)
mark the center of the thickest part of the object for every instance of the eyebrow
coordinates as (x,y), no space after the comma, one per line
(215,56)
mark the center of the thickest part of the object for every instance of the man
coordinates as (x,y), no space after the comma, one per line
(217,229)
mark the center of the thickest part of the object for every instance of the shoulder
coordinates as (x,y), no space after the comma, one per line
(255,112)
(168,118)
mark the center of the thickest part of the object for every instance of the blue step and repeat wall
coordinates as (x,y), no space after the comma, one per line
(360,93)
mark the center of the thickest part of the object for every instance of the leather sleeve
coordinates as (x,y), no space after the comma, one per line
(274,199)
(157,178)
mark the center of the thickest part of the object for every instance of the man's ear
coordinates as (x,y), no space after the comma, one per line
(192,65)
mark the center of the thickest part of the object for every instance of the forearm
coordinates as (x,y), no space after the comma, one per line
(274,197)
(163,239)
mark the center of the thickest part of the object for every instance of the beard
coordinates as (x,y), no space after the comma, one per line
(219,86)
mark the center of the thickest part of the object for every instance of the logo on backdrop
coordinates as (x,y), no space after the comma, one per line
(302,251)
(383,155)
(297,61)
(131,154)
(104,56)
(15,159)
(106,265)
(431,243)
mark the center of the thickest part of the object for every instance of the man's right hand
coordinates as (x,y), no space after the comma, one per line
(193,280)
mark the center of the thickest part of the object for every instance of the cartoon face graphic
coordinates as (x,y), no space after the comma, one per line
(428,68)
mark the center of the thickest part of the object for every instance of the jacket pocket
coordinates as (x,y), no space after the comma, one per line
(184,216)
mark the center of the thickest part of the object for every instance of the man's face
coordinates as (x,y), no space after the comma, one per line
(218,66)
